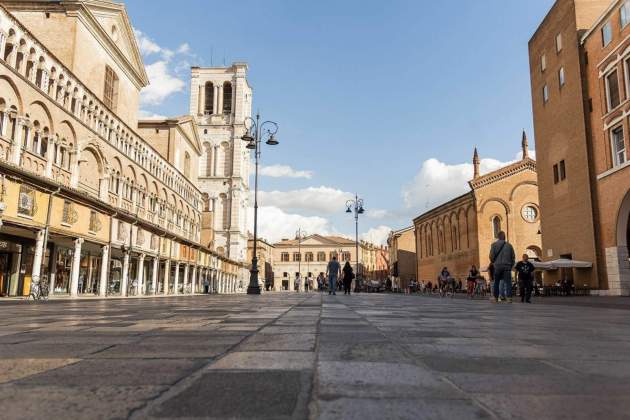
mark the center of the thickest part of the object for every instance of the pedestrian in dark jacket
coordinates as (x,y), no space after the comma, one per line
(348,276)
(502,259)
(525,270)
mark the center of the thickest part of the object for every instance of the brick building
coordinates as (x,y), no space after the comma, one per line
(459,233)
(579,66)
(402,255)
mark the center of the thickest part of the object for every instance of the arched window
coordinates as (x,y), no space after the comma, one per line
(110,95)
(208,108)
(227,98)
(496,226)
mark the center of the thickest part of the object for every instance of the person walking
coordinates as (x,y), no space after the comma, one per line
(348,276)
(320,282)
(296,283)
(332,271)
(525,270)
(502,259)
(307,283)
(206,286)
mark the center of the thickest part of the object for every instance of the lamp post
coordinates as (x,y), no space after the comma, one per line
(300,235)
(256,131)
(356,206)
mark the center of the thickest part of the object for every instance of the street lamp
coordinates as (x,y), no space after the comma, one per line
(300,235)
(256,131)
(356,206)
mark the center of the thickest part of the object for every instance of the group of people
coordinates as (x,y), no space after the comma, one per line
(335,278)
(502,262)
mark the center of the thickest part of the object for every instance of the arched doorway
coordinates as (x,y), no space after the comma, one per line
(620,278)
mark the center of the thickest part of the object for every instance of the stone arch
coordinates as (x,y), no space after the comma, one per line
(497,200)
(10,94)
(90,160)
(66,131)
(522,184)
(39,112)
(623,222)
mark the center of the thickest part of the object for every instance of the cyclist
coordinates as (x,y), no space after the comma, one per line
(471,281)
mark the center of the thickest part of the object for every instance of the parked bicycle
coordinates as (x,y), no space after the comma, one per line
(39,290)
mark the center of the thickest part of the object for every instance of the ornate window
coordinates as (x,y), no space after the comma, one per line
(69,215)
(110,94)
(347,256)
(529,213)
(284,257)
(321,256)
(26,201)
(95,222)
(297,256)
(308,257)
(612,90)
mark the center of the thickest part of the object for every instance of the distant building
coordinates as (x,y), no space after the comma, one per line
(459,233)
(264,251)
(310,256)
(402,255)
(580,73)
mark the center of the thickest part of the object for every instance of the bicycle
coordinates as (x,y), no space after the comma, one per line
(39,291)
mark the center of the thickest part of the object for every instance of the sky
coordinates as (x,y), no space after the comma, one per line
(383,99)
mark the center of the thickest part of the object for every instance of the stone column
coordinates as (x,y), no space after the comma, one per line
(140,275)
(49,155)
(103,188)
(103,276)
(76,267)
(16,146)
(215,103)
(193,280)
(39,256)
(186,276)
(154,274)
(176,281)
(167,276)
(125,275)
(5,119)
(220,99)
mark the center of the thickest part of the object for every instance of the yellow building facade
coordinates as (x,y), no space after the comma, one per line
(88,204)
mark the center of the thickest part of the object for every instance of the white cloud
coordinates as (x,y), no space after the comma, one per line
(167,73)
(313,199)
(148,115)
(377,214)
(184,48)
(437,182)
(275,224)
(284,171)
(163,83)
(147,45)
(377,235)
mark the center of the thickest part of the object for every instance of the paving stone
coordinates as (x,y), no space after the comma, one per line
(302,342)
(161,351)
(57,402)
(13,369)
(399,409)
(266,360)
(241,394)
(125,372)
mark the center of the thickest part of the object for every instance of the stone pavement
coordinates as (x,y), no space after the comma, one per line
(284,355)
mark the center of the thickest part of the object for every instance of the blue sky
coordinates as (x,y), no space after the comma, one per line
(385,99)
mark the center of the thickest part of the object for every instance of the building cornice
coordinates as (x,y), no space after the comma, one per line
(502,173)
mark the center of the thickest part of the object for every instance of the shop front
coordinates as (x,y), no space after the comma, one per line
(16,265)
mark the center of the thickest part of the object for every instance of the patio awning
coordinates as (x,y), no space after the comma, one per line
(562,263)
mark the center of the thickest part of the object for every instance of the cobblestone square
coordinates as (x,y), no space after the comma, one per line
(298,356)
